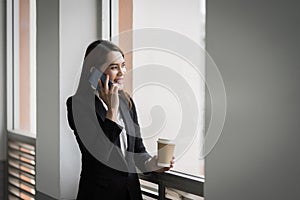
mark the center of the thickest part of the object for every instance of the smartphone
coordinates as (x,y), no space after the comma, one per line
(95,76)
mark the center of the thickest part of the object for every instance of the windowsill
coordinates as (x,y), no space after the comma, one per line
(22,133)
(187,176)
(184,184)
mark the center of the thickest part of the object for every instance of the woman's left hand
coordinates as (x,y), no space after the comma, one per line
(152,164)
(167,168)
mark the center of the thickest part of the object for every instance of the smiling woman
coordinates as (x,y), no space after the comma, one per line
(105,124)
(116,70)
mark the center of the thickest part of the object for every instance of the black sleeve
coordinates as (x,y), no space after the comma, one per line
(110,129)
(70,113)
(142,155)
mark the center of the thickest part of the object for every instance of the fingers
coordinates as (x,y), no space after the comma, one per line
(166,168)
(106,83)
(109,94)
(114,89)
(101,85)
(163,169)
(104,86)
(172,162)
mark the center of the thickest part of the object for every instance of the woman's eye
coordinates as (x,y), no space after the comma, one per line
(114,67)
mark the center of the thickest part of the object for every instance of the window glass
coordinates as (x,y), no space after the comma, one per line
(160,108)
(23,68)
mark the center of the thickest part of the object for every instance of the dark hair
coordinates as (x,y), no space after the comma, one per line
(107,44)
(91,47)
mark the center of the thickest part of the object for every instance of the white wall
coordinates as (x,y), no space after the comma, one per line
(64,29)
(2,81)
(78,28)
(256,46)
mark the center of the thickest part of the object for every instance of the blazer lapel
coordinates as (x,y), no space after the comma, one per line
(130,131)
(129,124)
(101,111)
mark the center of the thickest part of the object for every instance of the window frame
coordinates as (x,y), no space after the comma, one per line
(12,68)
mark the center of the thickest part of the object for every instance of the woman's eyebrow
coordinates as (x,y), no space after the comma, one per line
(117,63)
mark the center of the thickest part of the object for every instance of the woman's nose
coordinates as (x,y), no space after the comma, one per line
(121,71)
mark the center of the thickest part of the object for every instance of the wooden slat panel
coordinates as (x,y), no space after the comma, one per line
(21,169)
(21,166)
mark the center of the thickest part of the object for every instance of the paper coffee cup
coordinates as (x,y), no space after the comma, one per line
(165,150)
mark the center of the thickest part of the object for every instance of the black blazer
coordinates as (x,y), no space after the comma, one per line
(103,180)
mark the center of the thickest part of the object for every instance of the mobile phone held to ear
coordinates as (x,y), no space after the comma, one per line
(95,76)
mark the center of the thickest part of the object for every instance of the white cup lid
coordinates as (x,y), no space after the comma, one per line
(165,141)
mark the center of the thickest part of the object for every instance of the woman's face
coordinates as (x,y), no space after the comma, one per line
(116,69)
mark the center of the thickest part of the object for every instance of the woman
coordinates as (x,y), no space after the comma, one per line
(106,127)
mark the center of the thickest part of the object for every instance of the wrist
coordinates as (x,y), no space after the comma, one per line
(112,114)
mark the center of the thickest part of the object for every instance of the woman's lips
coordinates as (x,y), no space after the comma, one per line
(119,81)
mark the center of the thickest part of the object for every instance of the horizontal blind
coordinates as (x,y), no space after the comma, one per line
(21,170)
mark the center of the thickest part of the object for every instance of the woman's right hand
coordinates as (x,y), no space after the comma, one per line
(110,97)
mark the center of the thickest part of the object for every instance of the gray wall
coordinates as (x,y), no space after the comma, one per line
(2,79)
(47,142)
(2,96)
(256,46)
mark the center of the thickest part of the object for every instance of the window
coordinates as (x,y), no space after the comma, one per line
(21,99)
(21,66)
(152,71)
